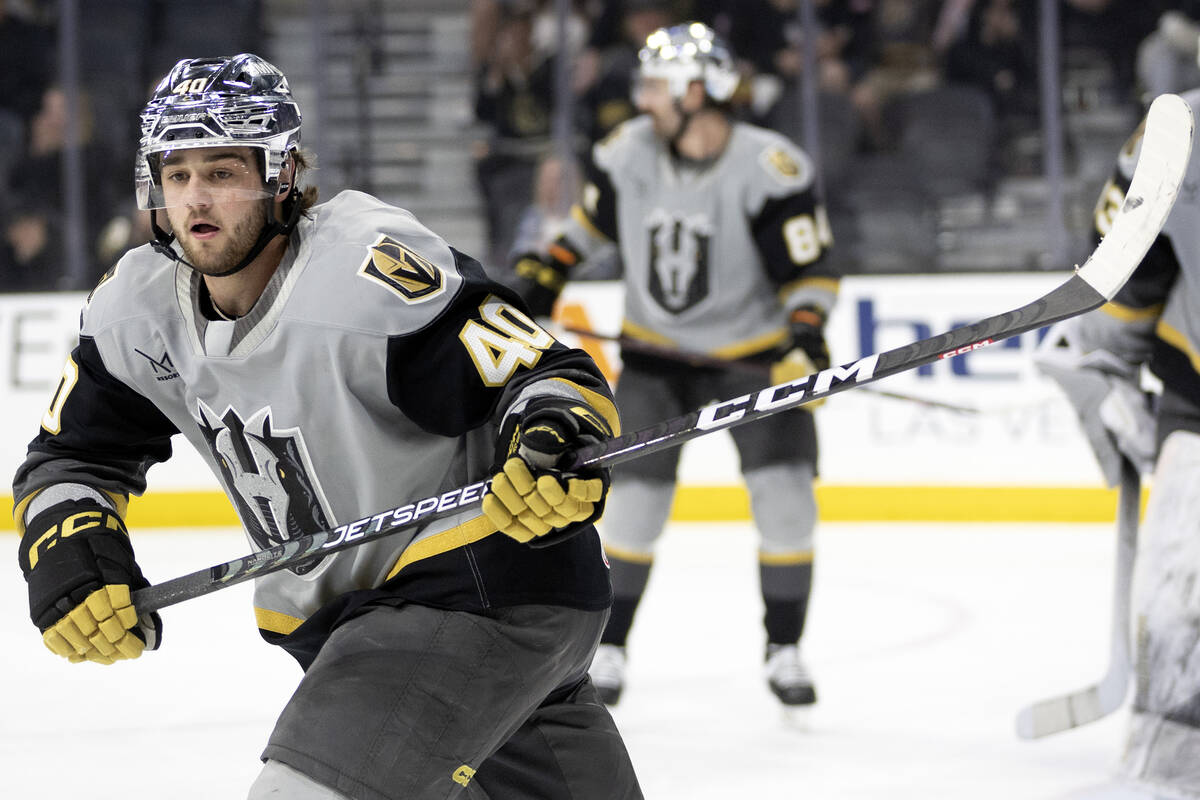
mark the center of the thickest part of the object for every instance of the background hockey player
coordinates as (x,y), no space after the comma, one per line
(327,361)
(722,241)
(1154,321)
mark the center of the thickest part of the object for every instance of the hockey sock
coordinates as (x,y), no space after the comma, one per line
(629,583)
(785,591)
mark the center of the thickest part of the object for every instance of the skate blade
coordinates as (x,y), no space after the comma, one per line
(798,718)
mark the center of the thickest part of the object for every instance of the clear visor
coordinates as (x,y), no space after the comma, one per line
(200,177)
(648,86)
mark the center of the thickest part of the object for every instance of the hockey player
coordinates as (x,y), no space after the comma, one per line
(1154,321)
(723,245)
(327,360)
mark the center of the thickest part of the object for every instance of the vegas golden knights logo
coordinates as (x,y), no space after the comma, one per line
(783,163)
(409,275)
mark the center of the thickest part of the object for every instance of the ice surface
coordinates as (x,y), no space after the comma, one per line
(925,640)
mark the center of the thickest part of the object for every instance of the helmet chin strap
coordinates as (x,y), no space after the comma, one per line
(162,240)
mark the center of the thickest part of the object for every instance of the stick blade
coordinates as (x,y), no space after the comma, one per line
(1162,164)
(1059,714)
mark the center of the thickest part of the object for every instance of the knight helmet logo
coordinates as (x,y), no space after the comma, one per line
(269,478)
(413,277)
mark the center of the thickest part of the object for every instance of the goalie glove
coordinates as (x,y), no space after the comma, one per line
(531,499)
(806,351)
(1116,416)
(78,561)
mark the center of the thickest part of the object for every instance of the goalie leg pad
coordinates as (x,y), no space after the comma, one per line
(1166,595)
(1163,755)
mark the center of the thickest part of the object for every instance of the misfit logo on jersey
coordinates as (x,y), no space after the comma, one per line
(164,370)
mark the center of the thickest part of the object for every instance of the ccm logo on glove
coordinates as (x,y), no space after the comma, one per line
(76,523)
(78,561)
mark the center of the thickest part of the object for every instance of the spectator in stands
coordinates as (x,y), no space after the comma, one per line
(37,177)
(484,20)
(487,15)
(606,70)
(902,57)
(555,189)
(123,232)
(997,51)
(26,63)
(515,98)
(769,33)
(30,253)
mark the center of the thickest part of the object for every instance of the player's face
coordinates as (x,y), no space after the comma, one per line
(653,97)
(214,198)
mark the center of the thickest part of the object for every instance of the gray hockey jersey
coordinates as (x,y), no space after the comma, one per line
(715,254)
(378,365)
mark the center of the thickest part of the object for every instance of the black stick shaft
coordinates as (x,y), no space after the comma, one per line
(1075,296)
(763,370)
(1152,192)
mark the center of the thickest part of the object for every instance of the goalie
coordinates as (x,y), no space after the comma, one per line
(1153,322)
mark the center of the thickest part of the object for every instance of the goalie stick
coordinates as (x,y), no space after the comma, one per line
(763,370)
(1149,200)
(1057,714)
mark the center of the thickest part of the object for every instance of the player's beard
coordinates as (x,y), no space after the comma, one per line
(208,260)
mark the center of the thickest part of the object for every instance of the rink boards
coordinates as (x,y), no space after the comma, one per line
(1019,457)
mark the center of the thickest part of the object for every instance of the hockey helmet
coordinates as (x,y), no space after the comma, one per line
(241,101)
(690,52)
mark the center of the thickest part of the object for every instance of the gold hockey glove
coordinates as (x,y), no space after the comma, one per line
(102,629)
(531,499)
(806,351)
(525,507)
(79,564)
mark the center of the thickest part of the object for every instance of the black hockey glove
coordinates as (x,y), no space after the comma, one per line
(542,277)
(530,498)
(78,561)
(805,351)
(540,283)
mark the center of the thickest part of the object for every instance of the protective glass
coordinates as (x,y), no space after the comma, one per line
(648,87)
(202,176)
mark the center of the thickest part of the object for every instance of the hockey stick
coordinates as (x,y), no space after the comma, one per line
(762,370)
(1149,200)
(1057,714)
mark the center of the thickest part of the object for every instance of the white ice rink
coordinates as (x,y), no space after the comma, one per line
(925,639)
